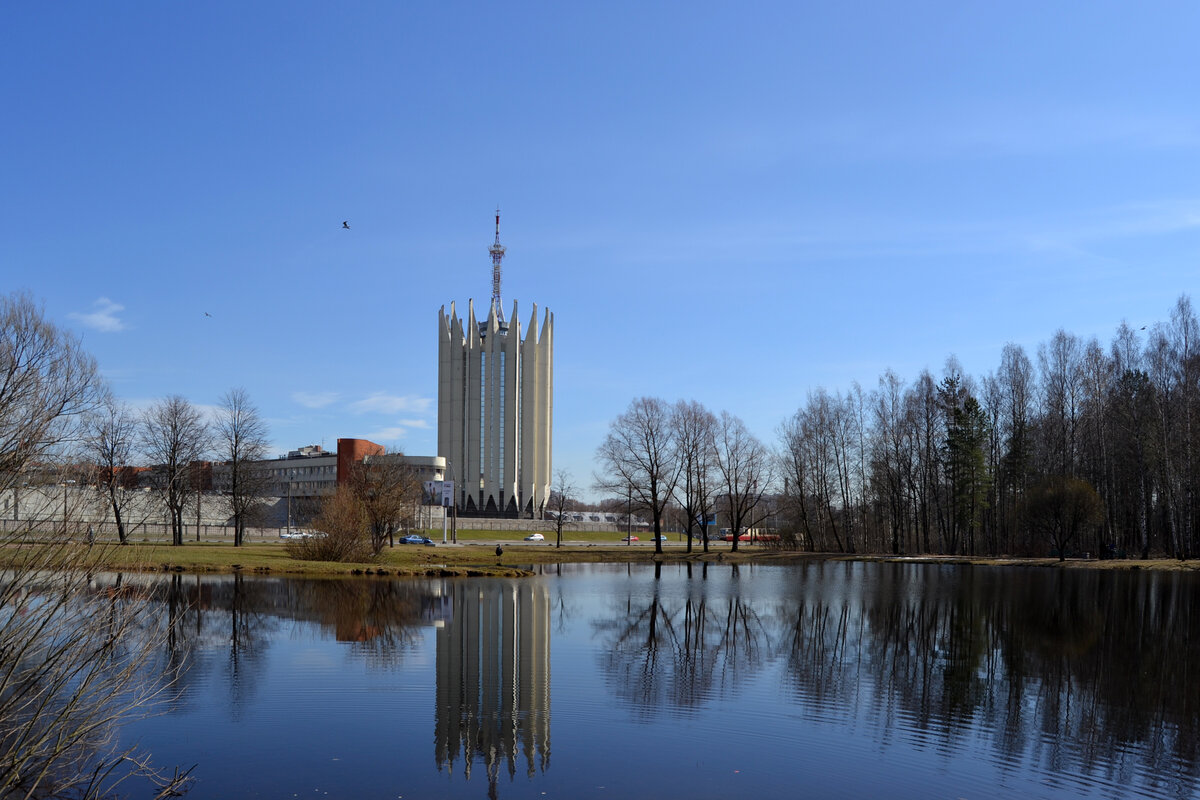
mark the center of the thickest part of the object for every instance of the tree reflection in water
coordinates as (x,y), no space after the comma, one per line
(1042,672)
(1085,672)
(673,650)
(240,616)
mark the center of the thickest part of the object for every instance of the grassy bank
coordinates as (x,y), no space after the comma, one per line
(465,558)
(472,557)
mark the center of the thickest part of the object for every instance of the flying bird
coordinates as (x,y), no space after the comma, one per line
(346,224)
(207,314)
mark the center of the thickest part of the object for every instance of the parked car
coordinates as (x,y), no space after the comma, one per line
(413,538)
(299,534)
(535,537)
(629,538)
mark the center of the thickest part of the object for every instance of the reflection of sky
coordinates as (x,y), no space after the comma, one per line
(319,720)
(324,717)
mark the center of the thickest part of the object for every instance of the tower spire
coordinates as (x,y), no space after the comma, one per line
(497,251)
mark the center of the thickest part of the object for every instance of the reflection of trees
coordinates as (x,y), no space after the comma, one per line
(636,643)
(204,616)
(745,642)
(1064,671)
(924,652)
(666,651)
(77,660)
(379,619)
(816,656)
(1112,661)
(1061,671)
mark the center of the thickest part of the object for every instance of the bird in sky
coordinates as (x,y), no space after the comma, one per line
(346,224)
(207,314)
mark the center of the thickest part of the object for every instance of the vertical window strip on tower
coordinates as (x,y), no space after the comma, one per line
(483,393)
(502,388)
(465,428)
(520,429)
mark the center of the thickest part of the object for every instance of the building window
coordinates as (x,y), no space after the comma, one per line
(483,395)
(501,388)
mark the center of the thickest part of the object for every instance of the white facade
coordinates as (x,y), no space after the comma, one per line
(495,410)
(313,472)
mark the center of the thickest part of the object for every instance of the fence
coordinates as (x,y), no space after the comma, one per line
(490,524)
(142,532)
(68,511)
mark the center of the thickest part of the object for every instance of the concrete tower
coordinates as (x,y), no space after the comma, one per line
(495,405)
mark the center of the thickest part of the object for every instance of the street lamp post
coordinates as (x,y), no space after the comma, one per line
(629,519)
(65,484)
(289,504)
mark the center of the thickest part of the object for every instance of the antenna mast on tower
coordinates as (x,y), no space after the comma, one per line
(497,251)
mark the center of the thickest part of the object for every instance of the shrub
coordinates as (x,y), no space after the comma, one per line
(342,533)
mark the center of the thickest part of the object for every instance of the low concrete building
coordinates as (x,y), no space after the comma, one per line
(315,472)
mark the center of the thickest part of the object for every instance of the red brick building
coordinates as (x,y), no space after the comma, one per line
(351,452)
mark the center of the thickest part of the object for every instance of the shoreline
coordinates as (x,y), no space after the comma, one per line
(479,560)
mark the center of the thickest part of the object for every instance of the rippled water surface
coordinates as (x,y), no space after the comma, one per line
(824,680)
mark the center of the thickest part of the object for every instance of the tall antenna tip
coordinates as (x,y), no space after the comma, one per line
(497,253)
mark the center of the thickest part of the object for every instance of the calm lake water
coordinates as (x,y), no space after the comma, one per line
(828,680)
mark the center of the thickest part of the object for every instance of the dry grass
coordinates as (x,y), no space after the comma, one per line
(480,559)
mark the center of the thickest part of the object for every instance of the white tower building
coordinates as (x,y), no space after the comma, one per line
(495,405)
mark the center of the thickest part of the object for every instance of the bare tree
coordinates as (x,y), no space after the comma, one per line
(389,492)
(745,467)
(108,444)
(242,441)
(76,664)
(1016,386)
(48,383)
(1061,366)
(695,448)
(813,469)
(797,481)
(638,458)
(561,496)
(891,456)
(174,436)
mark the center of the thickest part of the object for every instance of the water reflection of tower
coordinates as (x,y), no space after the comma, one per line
(493,676)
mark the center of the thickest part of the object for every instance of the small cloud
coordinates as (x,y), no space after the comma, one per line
(314,399)
(397,431)
(104,318)
(212,414)
(380,403)
(387,434)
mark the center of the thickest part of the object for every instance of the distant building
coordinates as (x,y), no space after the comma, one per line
(312,471)
(496,405)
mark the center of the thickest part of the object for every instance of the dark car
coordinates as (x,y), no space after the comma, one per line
(413,538)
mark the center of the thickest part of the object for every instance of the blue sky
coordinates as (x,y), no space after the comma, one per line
(733,203)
